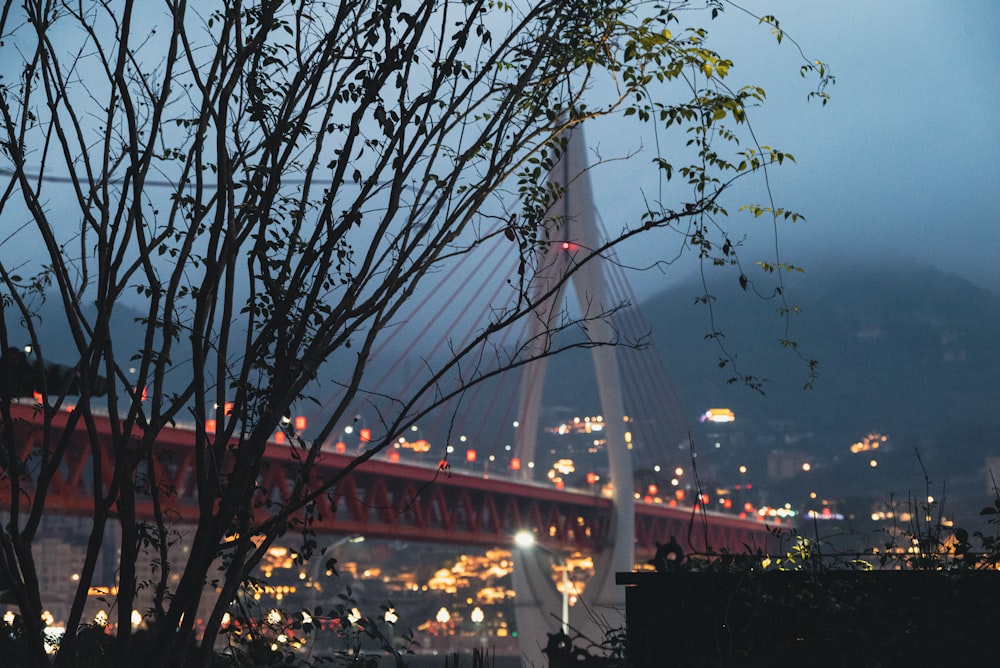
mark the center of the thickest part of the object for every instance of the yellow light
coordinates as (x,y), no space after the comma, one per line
(720,415)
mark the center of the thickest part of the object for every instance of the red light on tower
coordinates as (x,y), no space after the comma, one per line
(279,437)
(365,435)
(591,478)
(394,456)
(340,447)
(210,425)
(300,422)
(515,464)
(470,455)
(653,489)
(679,494)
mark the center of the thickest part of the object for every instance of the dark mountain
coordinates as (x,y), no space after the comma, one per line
(911,351)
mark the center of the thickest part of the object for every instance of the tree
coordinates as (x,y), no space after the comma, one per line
(271,183)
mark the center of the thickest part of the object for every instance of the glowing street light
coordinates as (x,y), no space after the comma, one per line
(443,616)
(525,540)
(477,616)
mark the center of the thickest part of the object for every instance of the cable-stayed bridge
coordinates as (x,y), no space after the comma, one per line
(486,465)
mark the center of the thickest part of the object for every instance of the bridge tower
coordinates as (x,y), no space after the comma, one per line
(537,601)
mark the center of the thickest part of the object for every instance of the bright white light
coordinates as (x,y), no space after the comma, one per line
(524,539)
(477,616)
(443,616)
(390,616)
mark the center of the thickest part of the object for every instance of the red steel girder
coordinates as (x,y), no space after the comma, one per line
(383,499)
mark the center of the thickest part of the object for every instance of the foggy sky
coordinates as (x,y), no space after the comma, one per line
(901,164)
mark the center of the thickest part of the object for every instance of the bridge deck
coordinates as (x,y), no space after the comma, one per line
(383,499)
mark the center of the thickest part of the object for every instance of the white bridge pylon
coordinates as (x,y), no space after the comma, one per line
(574,233)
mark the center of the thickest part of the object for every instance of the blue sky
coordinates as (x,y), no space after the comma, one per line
(902,163)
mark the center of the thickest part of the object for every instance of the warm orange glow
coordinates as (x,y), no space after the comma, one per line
(279,437)
(470,455)
(719,415)
(227,408)
(653,489)
(340,446)
(418,446)
(365,435)
(515,464)
(591,478)
(394,456)
(300,423)
(679,494)
(210,425)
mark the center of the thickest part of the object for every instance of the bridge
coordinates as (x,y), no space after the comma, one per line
(437,500)
(390,499)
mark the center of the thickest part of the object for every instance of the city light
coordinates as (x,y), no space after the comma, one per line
(718,415)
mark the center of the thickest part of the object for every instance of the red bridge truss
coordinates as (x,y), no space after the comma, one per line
(382,499)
